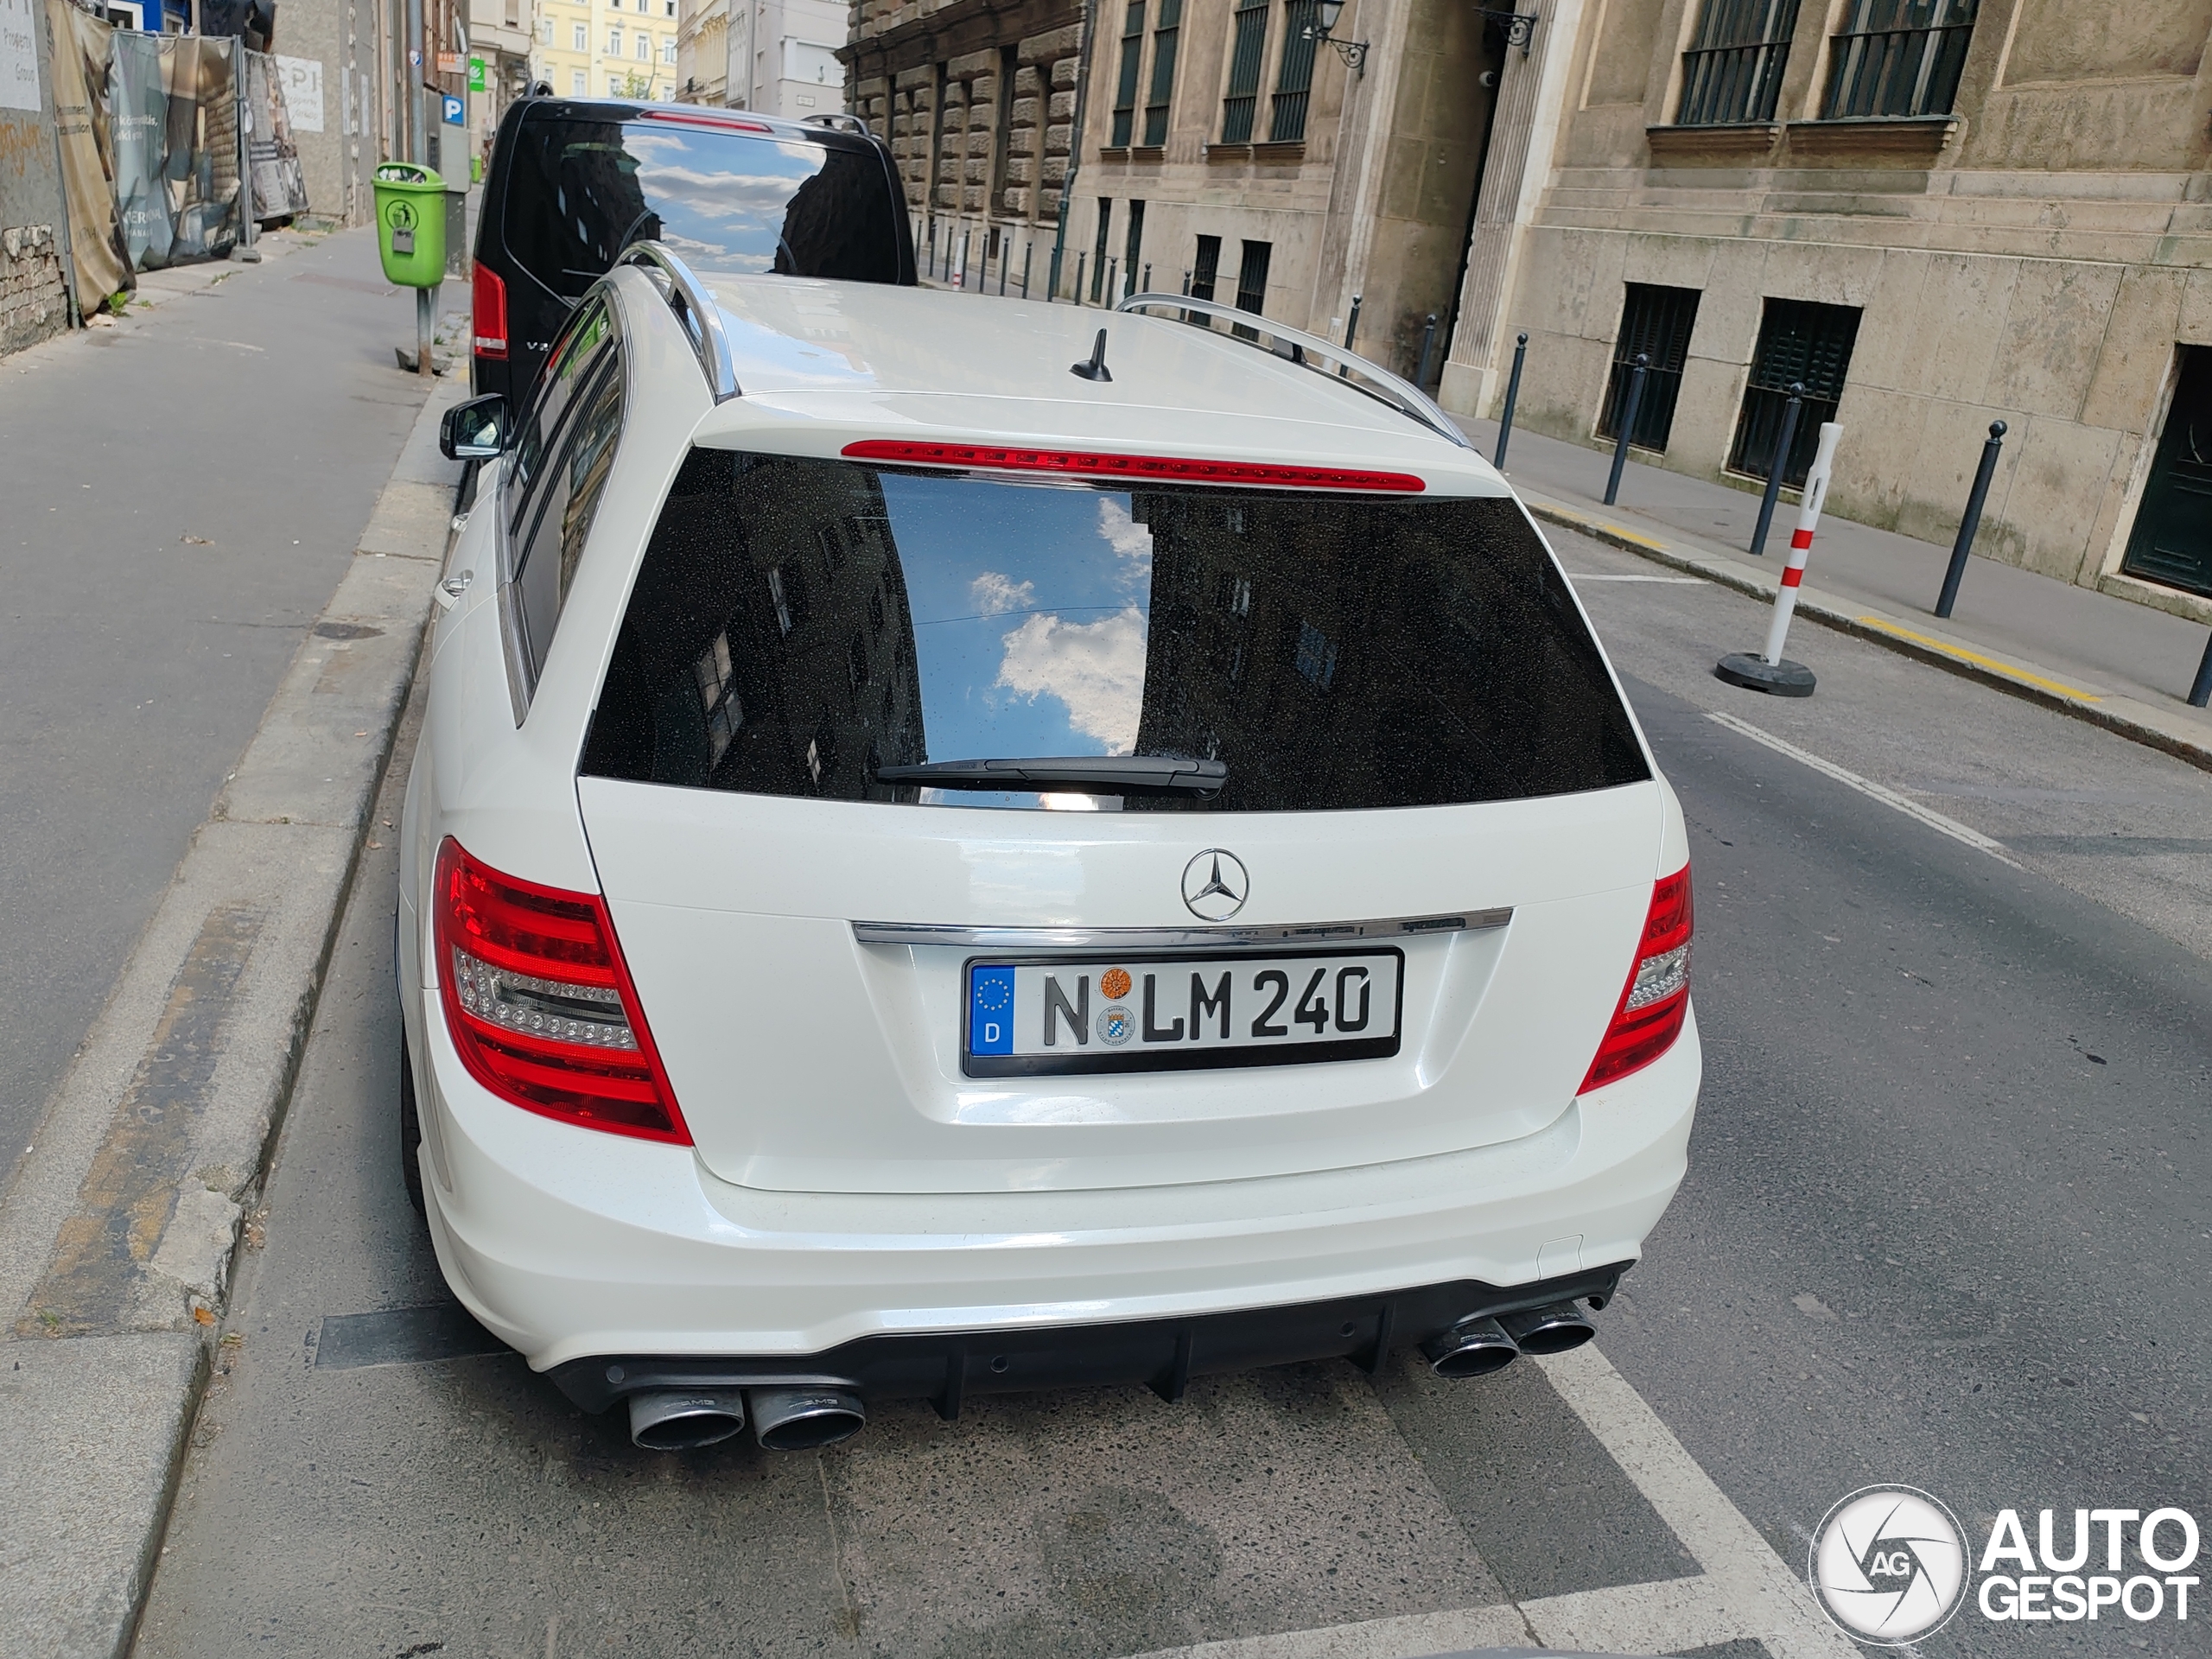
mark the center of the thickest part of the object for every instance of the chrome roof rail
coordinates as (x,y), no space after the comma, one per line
(1362,376)
(836,121)
(695,309)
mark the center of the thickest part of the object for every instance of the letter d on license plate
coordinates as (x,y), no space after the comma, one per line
(1034,1016)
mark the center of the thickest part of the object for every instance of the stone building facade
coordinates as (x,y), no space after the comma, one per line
(1932,215)
(978,101)
(1230,147)
(33,298)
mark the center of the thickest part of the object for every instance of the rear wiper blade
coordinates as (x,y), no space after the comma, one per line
(1102,774)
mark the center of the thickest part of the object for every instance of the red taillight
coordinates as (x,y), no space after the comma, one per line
(1656,1000)
(490,300)
(540,1005)
(1165,469)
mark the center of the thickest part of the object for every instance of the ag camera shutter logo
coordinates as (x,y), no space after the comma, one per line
(1888,1565)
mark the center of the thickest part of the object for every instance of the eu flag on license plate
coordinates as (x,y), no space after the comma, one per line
(990,1011)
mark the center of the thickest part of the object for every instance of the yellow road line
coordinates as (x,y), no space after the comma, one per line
(2008,669)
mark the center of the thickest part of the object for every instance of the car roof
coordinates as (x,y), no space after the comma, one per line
(751,122)
(933,363)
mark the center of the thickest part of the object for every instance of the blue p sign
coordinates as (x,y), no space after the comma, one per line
(457,112)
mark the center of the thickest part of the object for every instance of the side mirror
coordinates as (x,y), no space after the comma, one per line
(475,430)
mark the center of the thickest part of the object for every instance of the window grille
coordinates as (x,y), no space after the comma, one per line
(1799,340)
(1163,33)
(1898,58)
(1656,321)
(1125,89)
(1295,80)
(1252,281)
(1248,43)
(1731,73)
(1206,271)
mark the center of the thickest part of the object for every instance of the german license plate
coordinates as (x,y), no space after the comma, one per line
(1036,1016)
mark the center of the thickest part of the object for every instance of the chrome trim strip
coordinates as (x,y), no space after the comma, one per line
(1401,394)
(700,317)
(1117,939)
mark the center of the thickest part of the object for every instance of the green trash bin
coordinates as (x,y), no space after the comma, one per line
(411,225)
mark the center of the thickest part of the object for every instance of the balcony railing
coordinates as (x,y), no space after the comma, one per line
(1899,59)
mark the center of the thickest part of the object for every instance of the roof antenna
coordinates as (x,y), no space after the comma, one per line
(1095,369)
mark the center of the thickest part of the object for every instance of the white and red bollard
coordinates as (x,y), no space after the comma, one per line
(1769,672)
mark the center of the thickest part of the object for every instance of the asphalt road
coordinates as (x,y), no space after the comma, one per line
(184,490)
(1946,1223)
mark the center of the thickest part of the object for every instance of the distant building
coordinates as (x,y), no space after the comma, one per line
(1931,215)
(777,56)
(609,48)
(978,99)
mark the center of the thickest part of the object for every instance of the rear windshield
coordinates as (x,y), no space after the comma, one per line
(801,625)
(580,192)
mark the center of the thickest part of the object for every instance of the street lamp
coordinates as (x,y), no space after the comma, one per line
(1323,29)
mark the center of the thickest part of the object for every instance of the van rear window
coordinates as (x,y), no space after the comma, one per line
(580,192)
(828,629)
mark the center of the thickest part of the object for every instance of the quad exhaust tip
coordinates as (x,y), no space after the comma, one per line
(683,1419)
(1552,1329)
(1475,1348)
(1478,1347)
(798,1419)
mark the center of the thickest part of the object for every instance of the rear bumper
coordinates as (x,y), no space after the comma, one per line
(574,1246)
(1162,1355)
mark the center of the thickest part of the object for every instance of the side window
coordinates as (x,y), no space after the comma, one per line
(587,340)
(568,503)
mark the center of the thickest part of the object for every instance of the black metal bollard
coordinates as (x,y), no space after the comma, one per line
(1791,411)
(1427,342)
(1972,522)
(1028,249)
(1629,406)
(1512,396)
(2201,693)
(1352,326)
(1148,276)
(1080,259)
(932,265)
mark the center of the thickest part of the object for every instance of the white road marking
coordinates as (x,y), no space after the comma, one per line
(1744,1591)
(1671,582)
(1871,790)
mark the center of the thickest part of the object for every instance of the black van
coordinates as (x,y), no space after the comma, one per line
(574,181)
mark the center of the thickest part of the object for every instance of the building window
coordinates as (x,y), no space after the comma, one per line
(578,40)
(1294,78)
(1732,72)
(1657,322)
(1164,32)
(667,8)
(1317,654)
(576,88)
(667,48)
(1099,252)
(1207,268)
(1252,278)
(1799,341)
(1132,250)
(1897,58)
(2171,542)
(545,30)
(645,48)
(614,42)
(1247,44)
(1125,89)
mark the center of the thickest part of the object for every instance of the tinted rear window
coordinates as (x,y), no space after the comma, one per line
(580,192)
(799,624)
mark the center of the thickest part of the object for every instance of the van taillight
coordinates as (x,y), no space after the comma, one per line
(1650,1014)
(540,1005)
(489,300)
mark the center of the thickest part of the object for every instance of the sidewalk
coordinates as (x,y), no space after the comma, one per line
(2121,666)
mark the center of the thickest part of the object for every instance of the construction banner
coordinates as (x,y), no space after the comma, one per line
(280,187)
(101,266)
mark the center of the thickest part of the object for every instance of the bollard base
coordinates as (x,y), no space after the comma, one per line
(1755,673)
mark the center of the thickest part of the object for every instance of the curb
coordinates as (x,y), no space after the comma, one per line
(121,1222)
(2140,722)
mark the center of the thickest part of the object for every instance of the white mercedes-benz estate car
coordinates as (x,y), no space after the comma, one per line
(960,845)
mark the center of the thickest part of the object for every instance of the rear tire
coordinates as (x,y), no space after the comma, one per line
(411,1130)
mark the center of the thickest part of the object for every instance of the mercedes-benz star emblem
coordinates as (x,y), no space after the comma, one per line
(1214,885)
